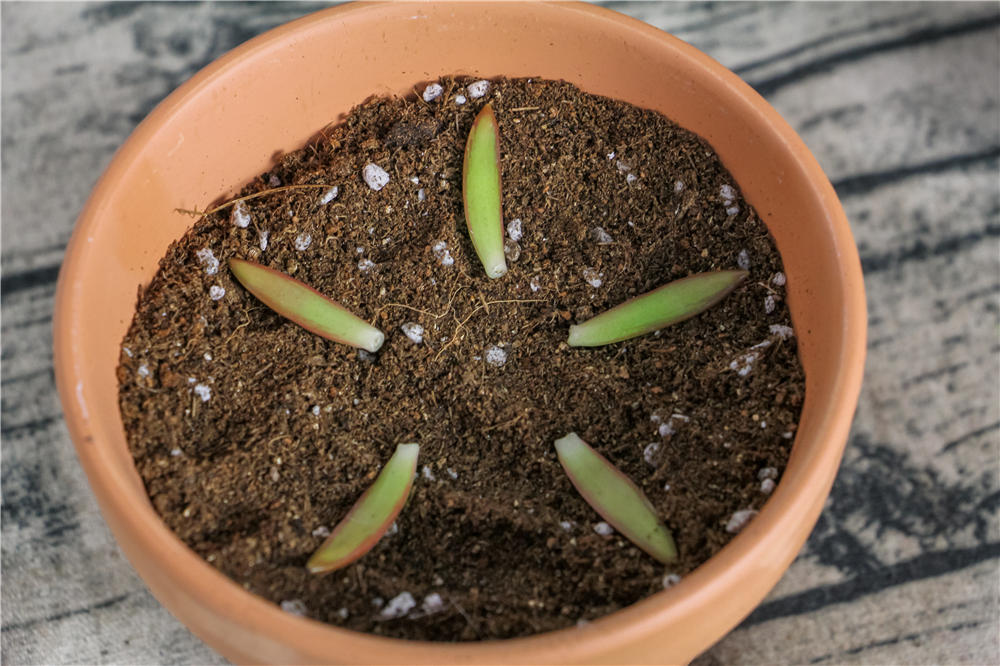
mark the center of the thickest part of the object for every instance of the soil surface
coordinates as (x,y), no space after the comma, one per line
(255,437)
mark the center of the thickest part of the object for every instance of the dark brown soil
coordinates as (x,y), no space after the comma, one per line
(295,427)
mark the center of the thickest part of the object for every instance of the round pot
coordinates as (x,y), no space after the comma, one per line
(221,128)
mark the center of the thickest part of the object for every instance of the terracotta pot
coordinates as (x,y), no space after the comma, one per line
(273,93)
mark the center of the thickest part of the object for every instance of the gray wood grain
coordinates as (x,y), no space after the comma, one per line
(900,102)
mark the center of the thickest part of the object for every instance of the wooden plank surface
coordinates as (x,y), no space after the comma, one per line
(900,102)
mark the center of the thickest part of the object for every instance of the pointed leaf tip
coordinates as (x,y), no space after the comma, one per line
(371,515)
(481,192)
(303,305)
(615,497)
(669,304)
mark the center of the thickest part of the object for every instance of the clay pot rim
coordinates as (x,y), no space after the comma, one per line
(794,497)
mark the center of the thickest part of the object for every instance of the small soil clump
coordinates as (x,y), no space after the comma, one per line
(254,437)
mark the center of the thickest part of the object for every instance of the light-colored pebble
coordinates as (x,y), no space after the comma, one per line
(143,370)
(592,277)
(294,606)
(366,265)
(769,304)
(678,186)
(263,236)
(414,331)
(782,331)
(515,229)
(432,92)
(496,356)
(604,529)
(649,454)
(375,176)
(240,216)
(739,520)
(727,193)
(175,452)
(767,486)
(743,260)
(322,532)
(511,250)
(208,260)
(398,606)
(460,99)
(274,181)
(670,580)
(315,410)
(303,241)
(478,89)
(215,292)
(440,250)
(204,392)
(767,473)
(779,279)
(329,195)
(600,235)
(433,603)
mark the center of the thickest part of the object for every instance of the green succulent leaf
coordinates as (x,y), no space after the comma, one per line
(371,515)
(669,304)
(305,306)
(615,497)
(481,192)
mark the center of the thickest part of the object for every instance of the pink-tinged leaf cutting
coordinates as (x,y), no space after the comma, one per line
(669,304)
(481,192)
(615,497)
(371,515)
(300,303)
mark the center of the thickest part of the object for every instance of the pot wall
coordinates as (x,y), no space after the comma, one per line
(224,126)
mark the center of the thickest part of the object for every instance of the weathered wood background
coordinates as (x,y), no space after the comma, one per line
(898,101)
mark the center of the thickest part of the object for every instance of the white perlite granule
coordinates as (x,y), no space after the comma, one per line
(670,580)
(322,532)
(783,332)
(263,239)
(204,392)
(414,331)
(649,453)
(740,520)
(343,613)
(329,195)
(366,265)
(143,370)
(592,277)
(294,606)
(600,235)
(375,176)
(303,241)
(604,529)
(315,410)
(432,92)
(398,606)
(743,260)
(240,215)
(421,195)
(175,452)
(769,304)
(566,525)
(460,99)
(433,603)
(511,250)
(727,193)
(428,473)
(514,229)
(767,486)
(496,356)
(631,178)
(767,473)
(478,89)
(207,258)
(678,186)
(779,279)
(732,210)
(535,284)
(440,250)
(274,181)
